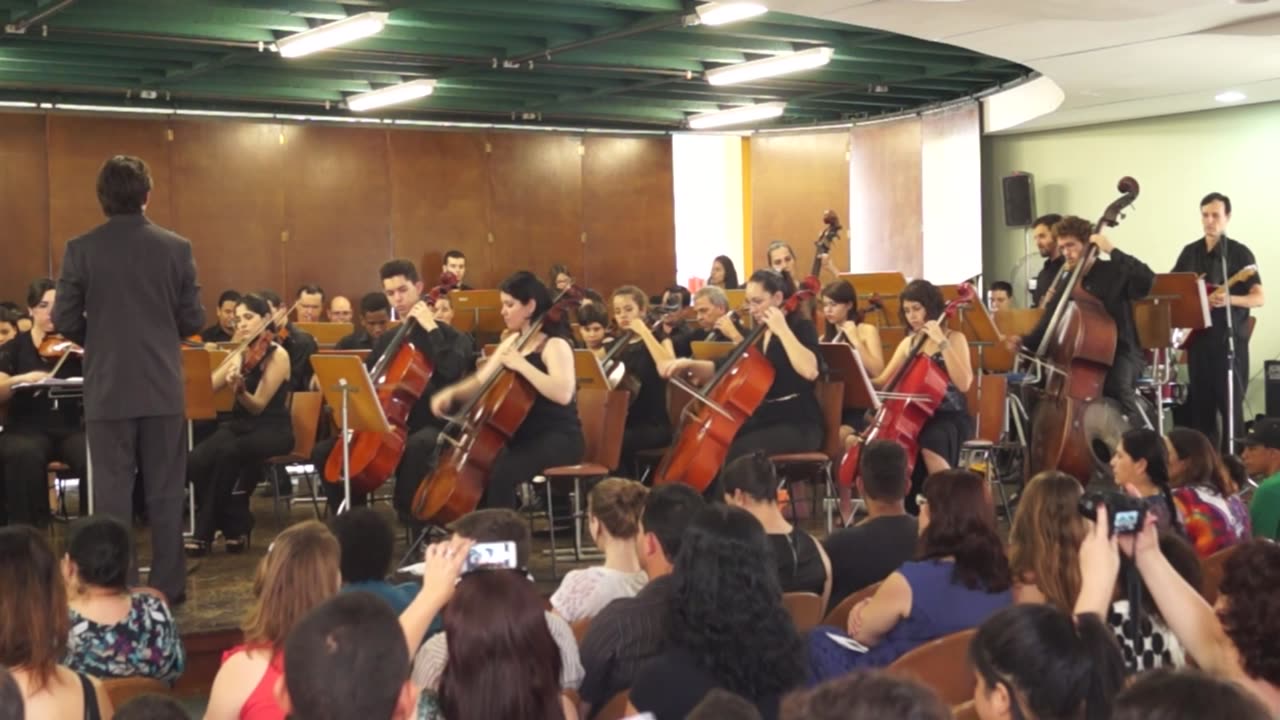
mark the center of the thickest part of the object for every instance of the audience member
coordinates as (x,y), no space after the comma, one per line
(300,571)
(751,483)
(115,632)
(1141,460)
(33,633)
(367,543)
(1150,643)
(960,578)
(866,553)
(1204,493)
(727,627)
(1186,695)
(1261,457)
(723,705)
(152,707)
(628,632)
(11,707)
(865,695)
(1037,662)
(1044,542)
(614,506)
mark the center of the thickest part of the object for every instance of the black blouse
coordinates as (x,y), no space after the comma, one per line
(650,405)
(791,399)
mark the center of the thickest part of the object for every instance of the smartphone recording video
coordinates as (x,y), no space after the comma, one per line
(491,556)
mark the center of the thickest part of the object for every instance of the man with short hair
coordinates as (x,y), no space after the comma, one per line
(339,309)
(866,553)
(1000,296)
(1047,244)
(375,315)
(347,658)
(1261,455)
(222,330)
(310,303)
(715,321)
(128,295)
(628,632)
(492,526)
(455,262)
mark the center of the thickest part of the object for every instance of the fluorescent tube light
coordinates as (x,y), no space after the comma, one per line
(393,95)
(723,13)
(737,116)
(1230,96)
(770,67)
(332,34)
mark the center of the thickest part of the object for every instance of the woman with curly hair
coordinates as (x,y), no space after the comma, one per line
(1044,542)
(1204,493)
(727,626)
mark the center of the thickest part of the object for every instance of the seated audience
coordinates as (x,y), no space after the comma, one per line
(1037,662)
(299,571)
(723,705)
(367,543)
(960,578)
(630,631)
(866,553)
(1141,460)
(33,632)
(115,632)
(727,627)
(1204,494)
(1044,541)
(11,707)
(1261,457)
(1186,695)
(152,707)
(613,510)
(751,483)
(866,695)
(1151,644)
(489,526)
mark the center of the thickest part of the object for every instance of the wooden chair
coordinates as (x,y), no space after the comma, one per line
(805,608)
(304,412)
(57,472)
(987,399)
(1212,567)
(603,414)
(839,615)
(616,708)
(122,690)
(942,665)
(580,629)
(831,400)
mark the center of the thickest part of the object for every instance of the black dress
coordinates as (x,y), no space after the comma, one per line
(799,562)
(943,433)
(648,424)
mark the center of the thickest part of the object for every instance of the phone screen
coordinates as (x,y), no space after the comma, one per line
(490,556)
(1127,521)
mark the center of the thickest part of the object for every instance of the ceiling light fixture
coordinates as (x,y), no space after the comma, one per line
(1230,96)
(737,116)
(332,34)
(723,13)
(393,95)
(770,67)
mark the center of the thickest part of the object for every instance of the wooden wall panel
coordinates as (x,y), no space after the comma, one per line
(536,196)
(228,200)
(886,221)
(440,201)
(337,208)
(77,147)
(795,178)
(24,212)
(628,213)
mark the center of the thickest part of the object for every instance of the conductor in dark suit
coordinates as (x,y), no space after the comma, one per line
(128,294)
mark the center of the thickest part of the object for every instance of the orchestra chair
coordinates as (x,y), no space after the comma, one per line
(805,609)
(603,414)
(304,412)
(122,690)
(1212,570)
(831,400)
(839,615)
(988,406)
(58,484)
(616,708)
(942,665)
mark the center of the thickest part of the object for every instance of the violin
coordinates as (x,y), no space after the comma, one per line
(254,342)
(615,371)
(56,347)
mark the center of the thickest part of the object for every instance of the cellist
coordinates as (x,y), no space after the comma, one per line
(551,433)
(1116,278)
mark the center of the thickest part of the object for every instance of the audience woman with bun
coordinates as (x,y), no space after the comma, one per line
(613,512)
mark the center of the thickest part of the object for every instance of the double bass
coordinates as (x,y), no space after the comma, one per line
(911,397)
(1077,350)
(400,377)
(718,410)
(484,427)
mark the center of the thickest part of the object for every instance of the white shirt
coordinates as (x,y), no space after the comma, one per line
(584,593)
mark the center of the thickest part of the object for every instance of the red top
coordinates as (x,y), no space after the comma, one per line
(261,703)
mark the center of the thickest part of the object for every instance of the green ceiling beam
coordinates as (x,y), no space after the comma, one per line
(60,46)
(538,11)
(198,19)
(44,78)
(123,23)
(592,56)
(724,42)
(672,50)
(650,6)
(552,32)
(266,92)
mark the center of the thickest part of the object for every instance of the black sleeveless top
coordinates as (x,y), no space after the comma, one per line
(546,416)
(953,400)
(650,405)
(276,408)
(800,567)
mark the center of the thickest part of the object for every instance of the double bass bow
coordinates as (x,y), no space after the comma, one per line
(400,378)
(484,426)
(720,407)
(910,398)
(1077,349)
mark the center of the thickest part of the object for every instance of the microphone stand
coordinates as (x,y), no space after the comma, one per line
(1229,421)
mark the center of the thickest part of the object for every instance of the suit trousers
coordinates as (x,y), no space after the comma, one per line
(156,448)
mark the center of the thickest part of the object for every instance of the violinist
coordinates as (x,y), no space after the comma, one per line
(297,342)
(222,330)
(560,277)
(790,419)
(38,430)
(844,325)
(259,428)
(593,322)
(673,330)
(648,425)
(716,322)
(723,274)
(375,315)
(1116,278)
(551,433)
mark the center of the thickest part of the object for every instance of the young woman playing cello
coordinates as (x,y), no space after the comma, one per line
(840,309)
(551,433)
(648,425)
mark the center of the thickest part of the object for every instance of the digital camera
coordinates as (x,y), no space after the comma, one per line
(1125,513)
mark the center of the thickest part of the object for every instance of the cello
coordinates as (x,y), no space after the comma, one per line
(400,377)
(1077,349)
(723,404)
(910,398)
(485,425)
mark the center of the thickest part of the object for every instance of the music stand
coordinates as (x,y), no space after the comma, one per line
(886,286)
(326,333)
(224,399)
(361,353)
(198,399)
(587,370)
(712,351)
(346,384)
(847,367)
(1175,300)
(477,311)
(986,348)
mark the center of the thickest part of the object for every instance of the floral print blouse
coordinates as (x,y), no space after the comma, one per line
(145,644)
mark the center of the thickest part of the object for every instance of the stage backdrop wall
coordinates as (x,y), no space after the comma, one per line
(269,205)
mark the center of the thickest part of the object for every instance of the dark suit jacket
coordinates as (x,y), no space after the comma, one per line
(128,294)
